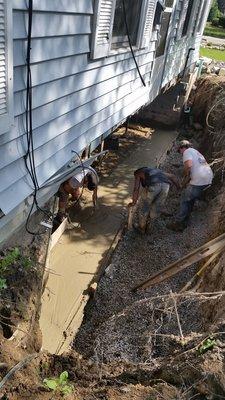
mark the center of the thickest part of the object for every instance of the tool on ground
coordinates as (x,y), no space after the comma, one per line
(198,254)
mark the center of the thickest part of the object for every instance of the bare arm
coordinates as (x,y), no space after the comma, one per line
(187,172)
(174,180)
(136,189)
(95,196)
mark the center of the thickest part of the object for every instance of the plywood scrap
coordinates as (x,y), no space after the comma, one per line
(198,254)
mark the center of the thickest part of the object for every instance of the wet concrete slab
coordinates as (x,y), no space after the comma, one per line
(76,258)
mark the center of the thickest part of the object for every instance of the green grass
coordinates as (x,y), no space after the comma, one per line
(214,31)
(218,55)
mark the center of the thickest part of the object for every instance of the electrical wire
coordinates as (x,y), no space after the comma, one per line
(130,44)
(29,156)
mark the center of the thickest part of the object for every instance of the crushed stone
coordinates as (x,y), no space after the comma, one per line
(136,327)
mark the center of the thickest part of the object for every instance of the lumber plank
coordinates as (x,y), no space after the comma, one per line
(196,255)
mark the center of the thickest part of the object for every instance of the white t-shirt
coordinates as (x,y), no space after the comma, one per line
(201,173)
(77,180)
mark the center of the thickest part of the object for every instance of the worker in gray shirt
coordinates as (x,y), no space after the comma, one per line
(83,177)
(155,185)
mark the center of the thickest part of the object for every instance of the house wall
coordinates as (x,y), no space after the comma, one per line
(75,99)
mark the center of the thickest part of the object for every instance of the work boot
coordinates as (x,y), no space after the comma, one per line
(177,226)
(139,229)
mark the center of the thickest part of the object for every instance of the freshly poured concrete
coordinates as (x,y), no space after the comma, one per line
(76,258)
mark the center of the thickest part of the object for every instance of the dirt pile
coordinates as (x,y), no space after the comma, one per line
(209,106)
(209,109)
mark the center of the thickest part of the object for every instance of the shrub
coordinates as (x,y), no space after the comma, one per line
(215,22)
(222,21)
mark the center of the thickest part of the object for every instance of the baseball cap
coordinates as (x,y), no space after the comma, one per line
(184,143)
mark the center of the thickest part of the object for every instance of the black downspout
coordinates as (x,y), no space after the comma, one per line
(186,62)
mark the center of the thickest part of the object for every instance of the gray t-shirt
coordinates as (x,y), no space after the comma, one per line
(77,180)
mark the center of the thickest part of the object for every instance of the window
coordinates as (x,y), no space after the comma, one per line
(158,14)
(6,66)
(163,33)
(169,3)
(164,21)
(187,18)
(109,28)
(132,16)
(184,18)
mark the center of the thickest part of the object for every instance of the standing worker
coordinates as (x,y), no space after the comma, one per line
(198,177)
(84,177)
(155,187)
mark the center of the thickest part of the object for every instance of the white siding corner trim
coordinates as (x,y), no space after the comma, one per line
(102,27)
(6,66)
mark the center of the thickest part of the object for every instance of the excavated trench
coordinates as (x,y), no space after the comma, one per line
(151,344)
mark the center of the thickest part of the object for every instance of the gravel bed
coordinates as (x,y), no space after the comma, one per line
(136,327)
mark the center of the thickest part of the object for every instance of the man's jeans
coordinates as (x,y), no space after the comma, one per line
(188,198)
(151,202)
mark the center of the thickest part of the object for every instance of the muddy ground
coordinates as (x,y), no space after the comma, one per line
(154,344)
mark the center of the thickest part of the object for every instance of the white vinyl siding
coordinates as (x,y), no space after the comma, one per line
(5,65)
(75,100)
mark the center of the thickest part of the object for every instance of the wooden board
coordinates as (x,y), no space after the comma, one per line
(198,254)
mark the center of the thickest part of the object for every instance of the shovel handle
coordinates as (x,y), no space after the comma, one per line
(130,217)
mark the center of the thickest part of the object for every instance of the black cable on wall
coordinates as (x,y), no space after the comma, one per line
(29,156)
(130,44)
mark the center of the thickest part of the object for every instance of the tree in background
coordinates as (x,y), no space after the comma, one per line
(214,12)
(221,5)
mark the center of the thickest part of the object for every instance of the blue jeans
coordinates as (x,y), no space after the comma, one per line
(188,197)
(151,202)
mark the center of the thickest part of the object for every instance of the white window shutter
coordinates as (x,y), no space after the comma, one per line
(182,18)
(146,23)
(102,27)
(6,66)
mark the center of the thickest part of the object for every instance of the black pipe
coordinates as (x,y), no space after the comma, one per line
(186,62)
